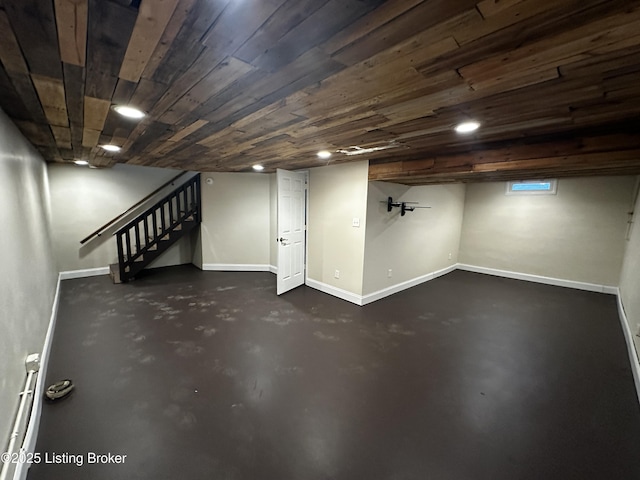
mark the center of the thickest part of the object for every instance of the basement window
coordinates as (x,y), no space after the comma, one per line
(532,187)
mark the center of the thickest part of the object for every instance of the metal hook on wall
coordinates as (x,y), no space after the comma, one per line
(404,206)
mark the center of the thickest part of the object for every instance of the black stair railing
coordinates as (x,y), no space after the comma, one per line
(152,232)
(124,214)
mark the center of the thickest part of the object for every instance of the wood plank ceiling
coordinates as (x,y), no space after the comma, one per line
(230,83)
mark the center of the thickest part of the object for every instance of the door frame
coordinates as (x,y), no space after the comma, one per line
(305,262)
(306,223)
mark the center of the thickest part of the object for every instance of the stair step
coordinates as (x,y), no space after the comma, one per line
(157,242)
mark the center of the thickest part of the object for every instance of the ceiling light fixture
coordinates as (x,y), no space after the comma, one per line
(324,154)
(129,112)
(258,168)
(467,127)
(81,162)
(110,148)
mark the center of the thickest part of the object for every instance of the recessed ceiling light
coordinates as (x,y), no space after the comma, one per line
(258,168)
(467,127)
(324,154)
(110,148)
(81,162)
(129,112)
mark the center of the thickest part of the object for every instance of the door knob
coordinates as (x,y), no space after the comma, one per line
(283,240)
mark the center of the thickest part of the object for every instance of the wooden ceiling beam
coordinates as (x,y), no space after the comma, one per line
(186,46)
(11,102)
(52,98)
(153,18)
(34,24)
(71,21)
(567,155)
(109,30)
(290,14)
(504,177)
(551,52)
(180,14)
(10,54)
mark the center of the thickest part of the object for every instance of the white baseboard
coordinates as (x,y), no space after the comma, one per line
(335,291)
(559,282)
(31,435)
(631,348)
(236,267)
(218,267)
(87,272)
(385,292)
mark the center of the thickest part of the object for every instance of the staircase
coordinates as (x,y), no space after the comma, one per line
(151,233)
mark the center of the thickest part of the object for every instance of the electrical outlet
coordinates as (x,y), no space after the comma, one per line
(389,273)
(355,222)
(336,274)
(449,256)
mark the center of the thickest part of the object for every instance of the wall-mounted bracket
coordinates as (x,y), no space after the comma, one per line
(404,206)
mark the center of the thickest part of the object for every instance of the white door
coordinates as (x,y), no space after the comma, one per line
(291,229)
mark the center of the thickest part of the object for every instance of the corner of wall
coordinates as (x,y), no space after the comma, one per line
(337,196)
(400,250)
(197,248)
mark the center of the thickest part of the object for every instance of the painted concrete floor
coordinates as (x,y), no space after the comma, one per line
(207,375)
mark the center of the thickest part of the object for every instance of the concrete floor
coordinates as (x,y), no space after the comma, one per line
(206,375)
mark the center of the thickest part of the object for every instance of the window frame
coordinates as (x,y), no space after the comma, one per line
(553,187)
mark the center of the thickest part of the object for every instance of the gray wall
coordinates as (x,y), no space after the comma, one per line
(337,195)
(236,219)
(421,242)
(630,277)
(578,234)
(28,282)
(84,199)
